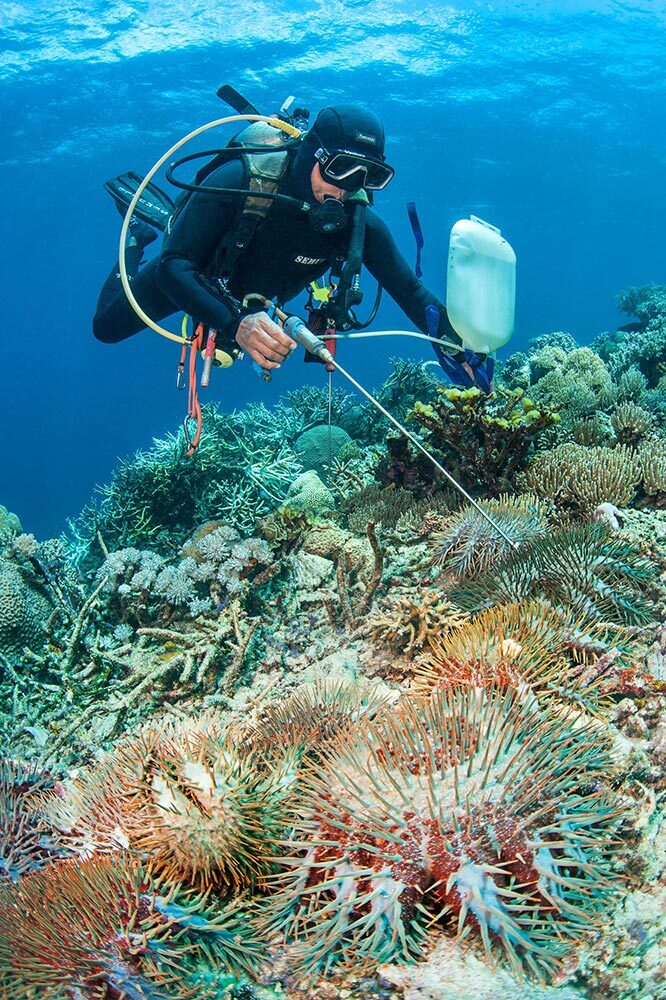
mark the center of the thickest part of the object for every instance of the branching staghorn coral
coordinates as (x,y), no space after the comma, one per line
(108,928)
(465,808)
(582,568)
(159,495)
(468,544)
(159,666)
(303,408)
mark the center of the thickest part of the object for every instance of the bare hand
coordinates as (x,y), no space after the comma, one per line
(264,340)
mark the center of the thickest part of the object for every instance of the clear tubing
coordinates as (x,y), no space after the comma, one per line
(278,123)
(396,333)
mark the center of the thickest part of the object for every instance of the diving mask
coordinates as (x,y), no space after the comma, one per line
(350,170)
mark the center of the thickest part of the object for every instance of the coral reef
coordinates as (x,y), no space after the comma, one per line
(345,709)
(407,624)
(575,384)
(10,526)
(484,440)
(641,345)
(307,492)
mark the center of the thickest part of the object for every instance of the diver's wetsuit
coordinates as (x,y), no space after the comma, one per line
(285,255)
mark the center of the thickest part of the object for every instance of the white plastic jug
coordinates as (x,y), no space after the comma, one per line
(481,285)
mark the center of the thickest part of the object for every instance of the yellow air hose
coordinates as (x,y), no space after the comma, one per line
(124,277)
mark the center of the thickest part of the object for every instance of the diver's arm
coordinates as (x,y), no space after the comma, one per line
(189,247)
(385,262)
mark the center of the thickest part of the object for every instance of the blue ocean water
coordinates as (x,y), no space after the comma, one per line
(546,119)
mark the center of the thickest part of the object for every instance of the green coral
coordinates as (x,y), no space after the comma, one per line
(316,448)
(484,439)
(307,492)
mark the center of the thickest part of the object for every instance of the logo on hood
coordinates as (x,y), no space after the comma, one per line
(364,137)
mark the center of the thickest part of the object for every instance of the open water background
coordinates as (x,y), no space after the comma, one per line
(546,119)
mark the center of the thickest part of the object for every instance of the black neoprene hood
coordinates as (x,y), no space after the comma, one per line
(348,126)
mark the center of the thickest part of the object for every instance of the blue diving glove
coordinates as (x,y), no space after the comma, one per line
(467,368)
(464,368)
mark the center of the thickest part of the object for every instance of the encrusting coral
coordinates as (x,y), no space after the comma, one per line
(465,808)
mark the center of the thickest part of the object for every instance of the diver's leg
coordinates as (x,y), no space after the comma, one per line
(115,318)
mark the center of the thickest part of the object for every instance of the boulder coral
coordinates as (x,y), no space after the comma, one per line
(24,610)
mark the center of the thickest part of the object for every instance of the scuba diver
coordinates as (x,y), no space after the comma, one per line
(221,244)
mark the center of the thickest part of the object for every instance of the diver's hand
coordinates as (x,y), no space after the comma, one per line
(264,340)
(468,369)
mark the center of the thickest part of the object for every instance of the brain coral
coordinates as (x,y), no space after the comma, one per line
(307,492)
(319,446)
(23,610)
(10,526)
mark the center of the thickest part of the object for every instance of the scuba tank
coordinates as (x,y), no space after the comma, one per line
(481,285)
